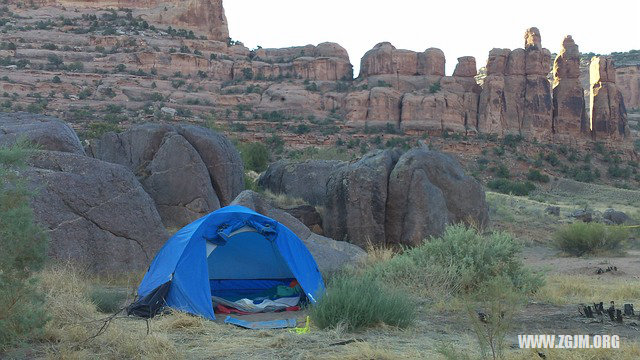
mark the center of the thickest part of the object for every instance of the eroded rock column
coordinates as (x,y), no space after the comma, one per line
(569,114)
(608,113)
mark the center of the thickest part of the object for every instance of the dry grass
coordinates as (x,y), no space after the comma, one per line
(283,200)
(74,319)
(575,289)
(629,351)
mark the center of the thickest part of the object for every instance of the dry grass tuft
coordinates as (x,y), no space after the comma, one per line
(626,352)
(576,289)
(283,200)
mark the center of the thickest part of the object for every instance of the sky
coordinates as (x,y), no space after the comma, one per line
(458,27)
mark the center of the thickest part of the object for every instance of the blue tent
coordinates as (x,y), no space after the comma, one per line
(231,250)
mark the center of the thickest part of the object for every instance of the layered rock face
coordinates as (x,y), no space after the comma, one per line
(628,82)
(45,132)
(324,62)
(202,16)
(608,112)
(187,170)
(449,105)
(306,180)
(384,59)
(392,198)
(409,90)
(516,96)
(569,113)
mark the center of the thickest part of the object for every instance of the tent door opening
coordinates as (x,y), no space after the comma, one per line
(247,274)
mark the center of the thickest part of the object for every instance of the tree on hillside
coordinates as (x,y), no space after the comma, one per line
(22,252)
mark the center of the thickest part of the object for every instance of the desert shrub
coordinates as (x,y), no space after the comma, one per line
(435,87)
(107,300)
(361,301)
(22,252)
(459,262)
(536,175)
(99,128)
(511,140)
(255,156)
(499,302)
(505,186)
(582,238)
(302,129)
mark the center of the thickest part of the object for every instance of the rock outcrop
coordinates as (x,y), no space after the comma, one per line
(608,112)
(451,104)
(202,16)
(628,82)
(357,197)
(516,96)
(95,213)
(389,198)
(330,255)
(384,58)
(45,132)
(188,171)
(569,112)
(306,180)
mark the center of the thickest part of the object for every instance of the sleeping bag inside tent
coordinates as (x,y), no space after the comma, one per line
(235,260)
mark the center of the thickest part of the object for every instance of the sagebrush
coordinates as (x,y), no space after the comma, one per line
(461,261)
(359,301)
(582,238)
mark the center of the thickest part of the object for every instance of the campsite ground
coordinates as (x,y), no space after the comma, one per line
(440,326)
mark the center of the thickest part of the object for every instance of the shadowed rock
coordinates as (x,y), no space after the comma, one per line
(188,171)
(330,255)
(306,180)
(48,133)
(96,213)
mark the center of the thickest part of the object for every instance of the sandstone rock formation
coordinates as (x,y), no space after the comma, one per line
(45,132)
(451,104)
(330,255)
(188,171)
(628,82)
(306,180)
(384,58)
(357,197)
(390,198)
(608,112)
(516,96)
(95,213)
(202,16)
(569,113)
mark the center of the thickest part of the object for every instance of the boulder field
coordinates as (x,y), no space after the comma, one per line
(386,197)
(108,207)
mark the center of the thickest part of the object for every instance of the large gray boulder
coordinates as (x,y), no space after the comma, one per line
(416,208)
(306,180)
(187,170)
(330,255)
(96,213)
(48,133)
(357,198)
(465,197)
(221,158)
(385,198)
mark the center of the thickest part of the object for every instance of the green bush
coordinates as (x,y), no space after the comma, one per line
(255,156)
(536,175)
(22,252)
(107,301)
(459,262)
(359,302)
(505,186)
(587,238)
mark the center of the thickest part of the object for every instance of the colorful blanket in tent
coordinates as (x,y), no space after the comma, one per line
(275,299)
